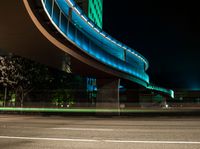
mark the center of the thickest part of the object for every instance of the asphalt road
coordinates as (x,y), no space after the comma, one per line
(53,132)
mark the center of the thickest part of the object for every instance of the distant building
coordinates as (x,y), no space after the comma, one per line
(93,9)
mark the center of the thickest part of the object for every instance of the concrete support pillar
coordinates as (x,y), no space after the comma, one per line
(108,93)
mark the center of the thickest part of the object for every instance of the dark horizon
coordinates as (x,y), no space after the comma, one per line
(166,33)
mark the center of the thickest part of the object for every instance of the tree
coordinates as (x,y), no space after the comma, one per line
(62,97)
(34,75)
(9,74)
(22,75)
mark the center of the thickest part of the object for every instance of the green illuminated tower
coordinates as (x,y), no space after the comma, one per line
(93,9)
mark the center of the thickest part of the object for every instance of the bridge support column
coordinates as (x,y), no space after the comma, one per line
(108,94)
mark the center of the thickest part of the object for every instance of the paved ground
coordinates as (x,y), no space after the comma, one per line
(53,132)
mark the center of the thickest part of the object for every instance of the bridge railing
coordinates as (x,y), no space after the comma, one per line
(161,89)
(72,27)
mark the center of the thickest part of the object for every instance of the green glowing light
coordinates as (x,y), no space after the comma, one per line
(95,11)
(85,110)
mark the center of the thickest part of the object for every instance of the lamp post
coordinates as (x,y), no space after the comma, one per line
(5,95)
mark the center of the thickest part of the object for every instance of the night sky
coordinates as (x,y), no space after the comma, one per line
(167,33)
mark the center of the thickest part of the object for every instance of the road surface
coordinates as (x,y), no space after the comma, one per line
(54,132)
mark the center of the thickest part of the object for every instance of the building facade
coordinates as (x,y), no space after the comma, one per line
(93,9)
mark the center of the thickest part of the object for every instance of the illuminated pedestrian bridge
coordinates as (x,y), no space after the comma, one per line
(61,28)
(71,22)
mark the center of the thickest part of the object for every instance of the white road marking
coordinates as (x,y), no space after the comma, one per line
(48,139)
(93,140)
(84,129)
(153,142)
